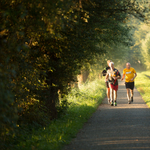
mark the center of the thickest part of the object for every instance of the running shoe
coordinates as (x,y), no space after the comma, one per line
(131,99)
(115,103)
(108,101)
(111,103)
(129,102)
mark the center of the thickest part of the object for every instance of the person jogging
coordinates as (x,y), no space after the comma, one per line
(104,72)
(112,77)
(129,74)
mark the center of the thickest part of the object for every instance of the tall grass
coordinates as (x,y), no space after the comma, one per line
(54,136)
(142,84)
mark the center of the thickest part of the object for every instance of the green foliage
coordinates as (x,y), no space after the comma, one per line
(142,84)
(34,114)
(146,50)
(60,131)
(138,51)
(43,46)
(62,107)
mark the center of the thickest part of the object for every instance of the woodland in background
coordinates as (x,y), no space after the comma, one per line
(45,44)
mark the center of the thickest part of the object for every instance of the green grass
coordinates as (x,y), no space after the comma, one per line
(83,104)
(142,84)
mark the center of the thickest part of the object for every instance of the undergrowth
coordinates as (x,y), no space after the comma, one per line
(82,104)
(142,84)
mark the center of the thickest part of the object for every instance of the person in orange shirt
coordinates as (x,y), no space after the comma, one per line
(129,74)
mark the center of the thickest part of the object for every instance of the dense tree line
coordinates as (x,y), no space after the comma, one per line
(43,46)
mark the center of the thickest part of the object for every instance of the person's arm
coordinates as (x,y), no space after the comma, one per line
(104,72)
(123,77)
(134,77)
(106,78)
(118,76)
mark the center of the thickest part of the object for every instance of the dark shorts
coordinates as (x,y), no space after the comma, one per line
(107,84)
(129,85)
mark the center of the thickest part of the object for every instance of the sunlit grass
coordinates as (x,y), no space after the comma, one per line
(142,84)
(83,103)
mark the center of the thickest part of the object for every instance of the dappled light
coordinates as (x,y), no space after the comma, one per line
(52,54)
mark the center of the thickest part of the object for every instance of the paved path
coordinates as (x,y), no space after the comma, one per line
(124,127)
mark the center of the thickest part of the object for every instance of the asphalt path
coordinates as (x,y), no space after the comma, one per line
(122,127)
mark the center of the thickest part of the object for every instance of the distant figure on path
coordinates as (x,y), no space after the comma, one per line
(112,77)
(104,72)
(130,74)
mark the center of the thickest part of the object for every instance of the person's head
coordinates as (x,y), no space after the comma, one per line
(128,65)
(111,65)
(108,61)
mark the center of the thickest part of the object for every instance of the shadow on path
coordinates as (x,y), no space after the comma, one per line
(124,127)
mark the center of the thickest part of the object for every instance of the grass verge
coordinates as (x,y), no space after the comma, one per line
(83,104)
(142,84)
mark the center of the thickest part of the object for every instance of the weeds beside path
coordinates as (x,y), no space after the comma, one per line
(143,85)
(84,102)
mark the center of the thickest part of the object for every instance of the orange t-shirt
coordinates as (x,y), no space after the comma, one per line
(129,73)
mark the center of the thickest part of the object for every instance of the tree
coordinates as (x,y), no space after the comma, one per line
(45,44)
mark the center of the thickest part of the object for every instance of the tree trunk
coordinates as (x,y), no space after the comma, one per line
(52,96)
(83,77)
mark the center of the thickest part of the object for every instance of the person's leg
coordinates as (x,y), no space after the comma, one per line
(127,84)
(108,95)
(128,95)
(131,91)
(115,97)
(108,91)
(111,96)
